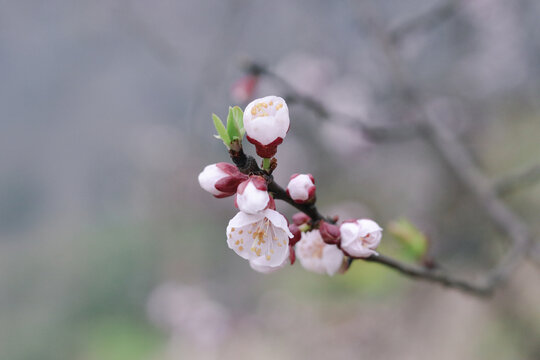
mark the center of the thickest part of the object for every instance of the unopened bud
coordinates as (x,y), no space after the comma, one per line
(300,218)
(301,188)
(329,232)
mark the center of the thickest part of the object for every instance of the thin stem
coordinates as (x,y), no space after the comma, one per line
(266,164)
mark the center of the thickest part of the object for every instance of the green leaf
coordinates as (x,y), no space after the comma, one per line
(232,126)
(222,132)
(414,242)
(238,115)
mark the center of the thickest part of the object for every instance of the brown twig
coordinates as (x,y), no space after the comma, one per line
(518,181)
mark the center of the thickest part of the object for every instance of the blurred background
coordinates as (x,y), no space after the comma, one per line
(109,250)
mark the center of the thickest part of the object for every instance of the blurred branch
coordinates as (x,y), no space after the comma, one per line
(378,133)
(248,165)
(432,275)
(518,181)
(451,151)
(462,165)
(425,21)
(460,161)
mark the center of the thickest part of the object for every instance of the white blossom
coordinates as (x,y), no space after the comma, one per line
(301,187)
(265,269)
(266,121)
(360,238)
(317,256)
(261,238)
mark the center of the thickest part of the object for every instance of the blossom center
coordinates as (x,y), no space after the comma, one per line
(263,108)
(314,250)
(264,239)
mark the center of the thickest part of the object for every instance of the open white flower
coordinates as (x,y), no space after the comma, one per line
(360,238)
(266,121)
(221,179)
(317,256)
(261,238)
(265,269)
(252,195)
(301,188)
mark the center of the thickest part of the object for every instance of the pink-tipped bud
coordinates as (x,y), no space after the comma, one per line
(266,122)
(300,218)
(252,195)
(301,188)
(243,89)
(329,232)
(221,179)
(297,234)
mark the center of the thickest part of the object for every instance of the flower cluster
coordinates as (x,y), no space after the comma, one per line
(259,233)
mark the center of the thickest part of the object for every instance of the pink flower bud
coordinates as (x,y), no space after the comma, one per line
(252,195)
(360,238)
(301,188)
(300,218)
(297,234)
(329,232)
(221,179)
(266,122)
(243,89)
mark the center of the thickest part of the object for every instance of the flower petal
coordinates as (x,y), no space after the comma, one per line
(332,258)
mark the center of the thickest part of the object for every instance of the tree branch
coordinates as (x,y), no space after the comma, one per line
(518,181)
(432,275)
(248,165)
(376,133)
(425,21)
(460,162)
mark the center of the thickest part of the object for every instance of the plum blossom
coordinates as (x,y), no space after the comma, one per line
(252,195)
(265,269)
(266,121)
(301,188)
(360,238)
(261,238)
(317,256)
(221,179)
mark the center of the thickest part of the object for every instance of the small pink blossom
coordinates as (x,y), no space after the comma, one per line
(301,188)
(360,238)
(221,179)
(252,195)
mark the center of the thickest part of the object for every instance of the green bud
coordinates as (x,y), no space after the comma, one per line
(414,242)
